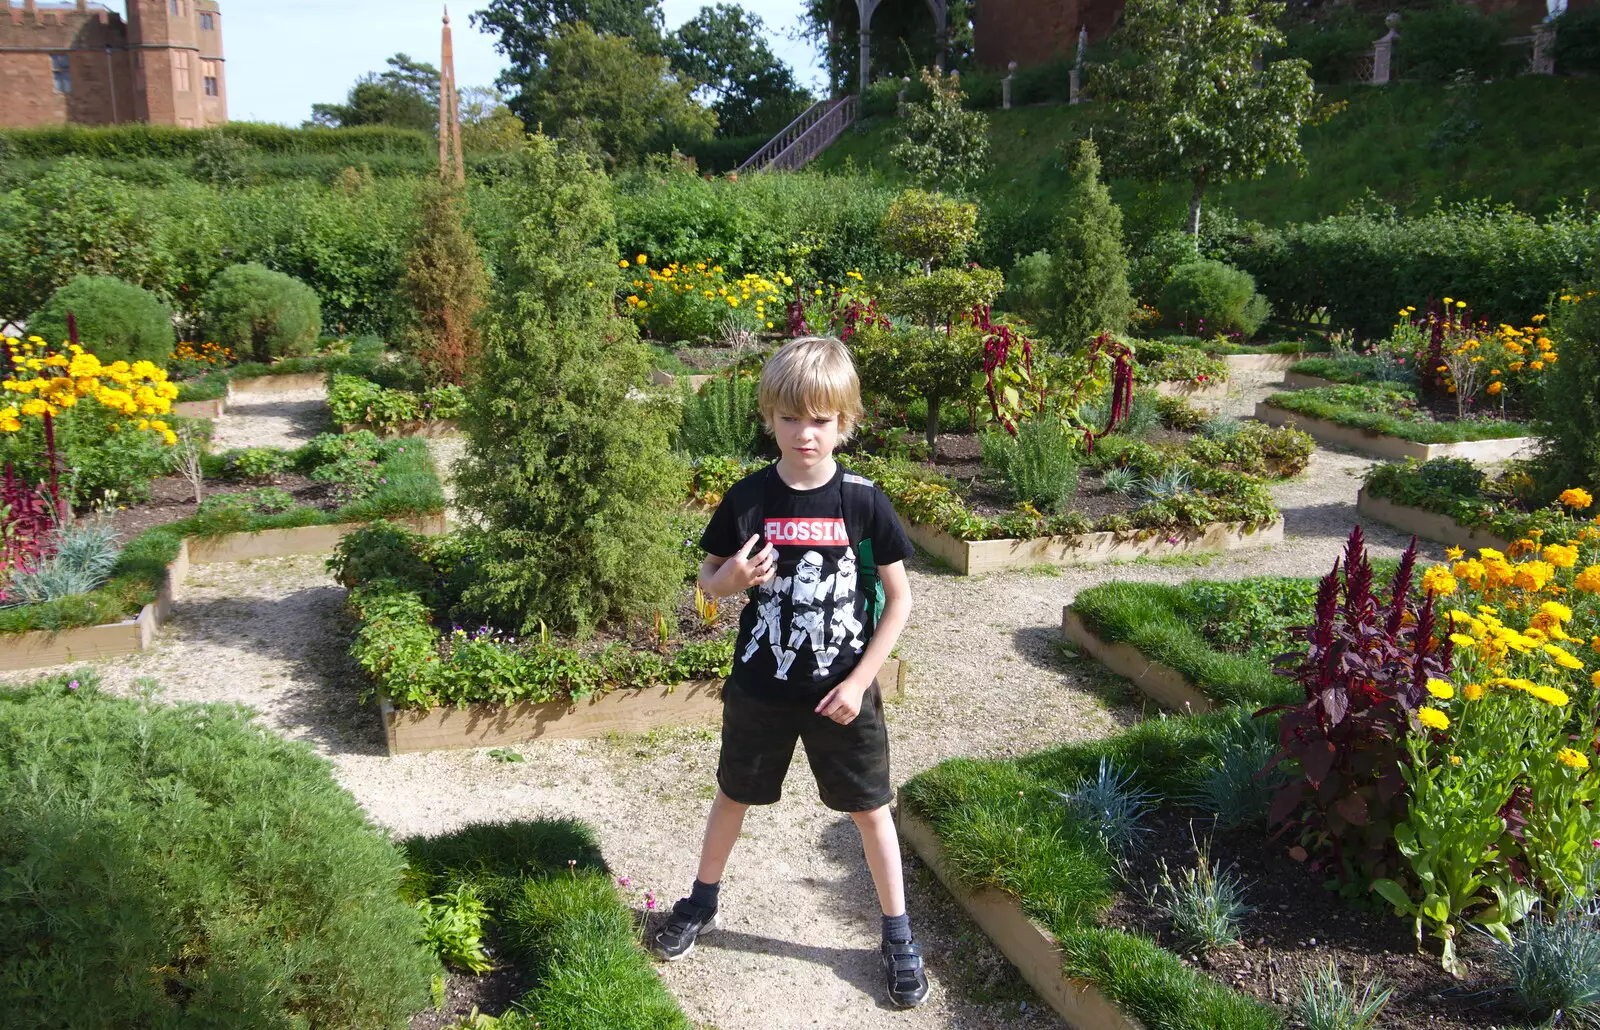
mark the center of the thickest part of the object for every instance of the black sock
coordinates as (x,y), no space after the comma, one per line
(705,894)
(897,928)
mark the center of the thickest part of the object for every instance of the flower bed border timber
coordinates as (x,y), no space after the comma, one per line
(1303,381)
(39,648)
(975,557)
(1426,524)
(1329,433)
(1189,391)
(290,383)
(201,409)
(1268,362)
(628,710)
(660,378)
(1028,946)
(1161,683)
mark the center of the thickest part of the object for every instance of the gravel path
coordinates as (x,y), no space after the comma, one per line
(273,420)
(989,679)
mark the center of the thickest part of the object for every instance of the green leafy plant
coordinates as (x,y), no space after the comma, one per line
(1166,485)
(1039,465)
(268,500)
(354,399)
(942,145)
(117,321)
(452,925)
(1212,297)
(1203,903)
(1327,1003)
(1569,411)
(929,228)
(1276,452)
(722,419)
(256,464)
(1119,480)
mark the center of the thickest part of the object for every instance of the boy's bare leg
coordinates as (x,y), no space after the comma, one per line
(722,832)
(878,840)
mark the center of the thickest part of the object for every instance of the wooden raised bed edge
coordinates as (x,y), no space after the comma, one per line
(1029,946)
(1302,381)
(429,429)
(1426,524)
(972,557)
(277,384)
(1333,434)
(1212,391)
(1162,683)
(39,648)
(1269,362)
(691,703)
(660,378)
(201,409)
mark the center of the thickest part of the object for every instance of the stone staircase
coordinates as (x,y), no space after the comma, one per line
(805,137)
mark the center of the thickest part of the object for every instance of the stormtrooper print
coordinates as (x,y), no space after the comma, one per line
(845,622)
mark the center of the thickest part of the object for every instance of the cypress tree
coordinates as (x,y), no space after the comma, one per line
(568,475)
(445,283)
(1089,272)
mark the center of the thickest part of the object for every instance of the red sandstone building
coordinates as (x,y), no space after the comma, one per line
(81,63)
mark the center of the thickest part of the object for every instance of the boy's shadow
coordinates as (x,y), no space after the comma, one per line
(858,967)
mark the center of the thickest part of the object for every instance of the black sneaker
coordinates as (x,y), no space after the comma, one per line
(902,965)
(687,921)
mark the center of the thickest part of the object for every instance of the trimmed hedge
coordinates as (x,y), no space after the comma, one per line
(1365,266)
(169,141)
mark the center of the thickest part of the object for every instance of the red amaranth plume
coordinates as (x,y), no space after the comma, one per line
(1400,588)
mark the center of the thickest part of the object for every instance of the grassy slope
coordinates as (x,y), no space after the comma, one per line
(1539,142)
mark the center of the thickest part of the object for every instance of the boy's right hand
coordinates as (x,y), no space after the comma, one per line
(745,570)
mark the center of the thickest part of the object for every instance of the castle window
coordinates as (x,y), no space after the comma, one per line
(208,21)
(180,71)
(61,73)
(208,69)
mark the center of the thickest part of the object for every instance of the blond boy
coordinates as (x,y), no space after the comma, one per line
(820,555)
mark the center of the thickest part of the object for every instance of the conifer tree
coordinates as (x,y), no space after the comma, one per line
(1089,270)
(567,475)
(445,280)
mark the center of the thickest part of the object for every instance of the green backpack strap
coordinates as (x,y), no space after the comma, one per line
(870,584)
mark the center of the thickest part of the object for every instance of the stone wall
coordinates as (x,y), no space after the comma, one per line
(1032,32)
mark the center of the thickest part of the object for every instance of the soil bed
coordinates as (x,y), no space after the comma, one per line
(172,499)
(491,994)
(1298,926)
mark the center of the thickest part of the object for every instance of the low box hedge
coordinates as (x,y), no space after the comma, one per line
(1392,410)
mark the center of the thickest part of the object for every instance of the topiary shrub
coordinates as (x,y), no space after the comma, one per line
(265,314)
(1090,272)
(568,471)
(116,320)
(166,866)
(1208,297)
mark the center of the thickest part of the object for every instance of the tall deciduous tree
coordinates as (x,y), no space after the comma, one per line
(1197,102)
(525,28)
(568,471)
(722,49)
(603,93)
(406,95)
(487,124)
(942,145)
(1089,291)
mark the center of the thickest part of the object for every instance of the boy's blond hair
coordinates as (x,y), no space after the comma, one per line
(814,376)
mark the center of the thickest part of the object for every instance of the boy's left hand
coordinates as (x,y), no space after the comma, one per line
(843,702)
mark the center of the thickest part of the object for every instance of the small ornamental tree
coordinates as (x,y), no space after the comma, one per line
(255,311)
(445,282)
(930,227)
(568,471)
(117,321)
(1089,270)
(1195,106)
(942,144)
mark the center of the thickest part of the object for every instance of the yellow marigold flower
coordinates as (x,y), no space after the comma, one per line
(1489,554)
(1433,718)
(1493,388)
(1455,759)
(1462,640)
(1473,691)
(1575,759)
(1562,556)
(1454,553)
(1537,366)
(1533,575)
(623,263)
(1594,677)
(170,437)
(1557,610)
(1516,366)
(1438,582)
(1577,498)
(1549,695)
(34,406)
(1441,690)
(1563,659)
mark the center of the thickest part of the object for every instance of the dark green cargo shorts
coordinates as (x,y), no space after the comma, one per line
(851,763)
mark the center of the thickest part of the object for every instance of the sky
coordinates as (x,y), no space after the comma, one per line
(285,55)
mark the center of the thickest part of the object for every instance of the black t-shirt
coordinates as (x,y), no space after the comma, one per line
(803,632)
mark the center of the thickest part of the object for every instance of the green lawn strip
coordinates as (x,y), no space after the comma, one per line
(411,489)
(213,386)
(1001,824)
(1362,407)
(1280,347)
(1337,370)
(564,925)
(1163,622)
